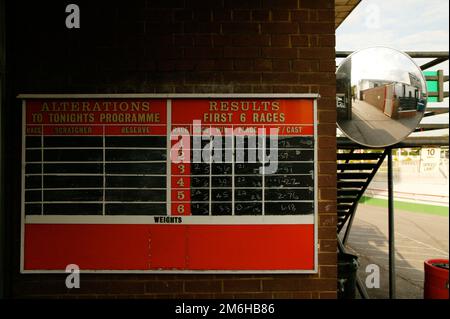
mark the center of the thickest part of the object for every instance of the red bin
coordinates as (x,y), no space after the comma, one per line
(436,279)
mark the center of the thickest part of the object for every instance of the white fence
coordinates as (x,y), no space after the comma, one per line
(414,180)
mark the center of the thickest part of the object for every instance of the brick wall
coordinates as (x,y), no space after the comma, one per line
(375,96)
(177,46)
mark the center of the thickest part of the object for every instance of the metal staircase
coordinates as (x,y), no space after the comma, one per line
(355,170)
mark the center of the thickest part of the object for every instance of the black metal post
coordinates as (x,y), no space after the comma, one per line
(391,226)
(2,212)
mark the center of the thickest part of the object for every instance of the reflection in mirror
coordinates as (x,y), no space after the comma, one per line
(381,96)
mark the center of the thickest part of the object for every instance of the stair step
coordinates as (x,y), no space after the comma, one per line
(358,156)
(356,166)
(345,184)
(348,192)
(352,176)
(344,206)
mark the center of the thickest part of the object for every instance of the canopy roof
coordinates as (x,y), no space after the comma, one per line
(342,9)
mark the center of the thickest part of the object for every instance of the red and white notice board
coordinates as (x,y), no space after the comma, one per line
(169,183)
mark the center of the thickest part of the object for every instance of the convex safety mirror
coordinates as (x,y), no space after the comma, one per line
(381,96)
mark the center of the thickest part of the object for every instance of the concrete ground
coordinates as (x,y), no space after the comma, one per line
(418,237)
(371,126)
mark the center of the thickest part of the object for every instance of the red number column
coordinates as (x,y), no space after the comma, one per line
(180,177)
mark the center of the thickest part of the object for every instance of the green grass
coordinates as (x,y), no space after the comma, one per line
(407,206)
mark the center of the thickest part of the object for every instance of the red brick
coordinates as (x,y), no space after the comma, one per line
(201,27)
(183,40)
(327,65)
(165,66)
(166,4)
(248,4)
(205,65)
(162,28)
(241,77)
(317,4)
(240,28)
(327,90)
(164,53)
(327,194)
(164,287)
(222,15)
(280,40)
(281,65)
(222,40)
(280,15)
(251,40)
(242,88)
(260,15)
(327,116)
(282,89)
(324,168)
(158,15)
(327,40)
(313,41)
(327,129)
(183,15)
(301,89)
(203,53)
(292,295)
(327,258)
(263,65)
(328,295)
(282,295)
(280,77)
(280,285)
(327,180)
(280,28)
(305,66)
(327,232)
(126,286)
(184,65)
(241,15)
(315,89)
(316,28)
(299,40)
(285,4)
(327,207)
(243,65)
(300,15)
(327,104)
(317,284)
(328,245)
(203,286)
(203,77)
(202,15)
(204,40)
(253,285)
(327,220)
(184,89)
(255,295)
(201,4)
(328,271)
(301,295)
(325,15)
(241,52)
(286,53)
(223,65)
(316,53)
(317,78)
